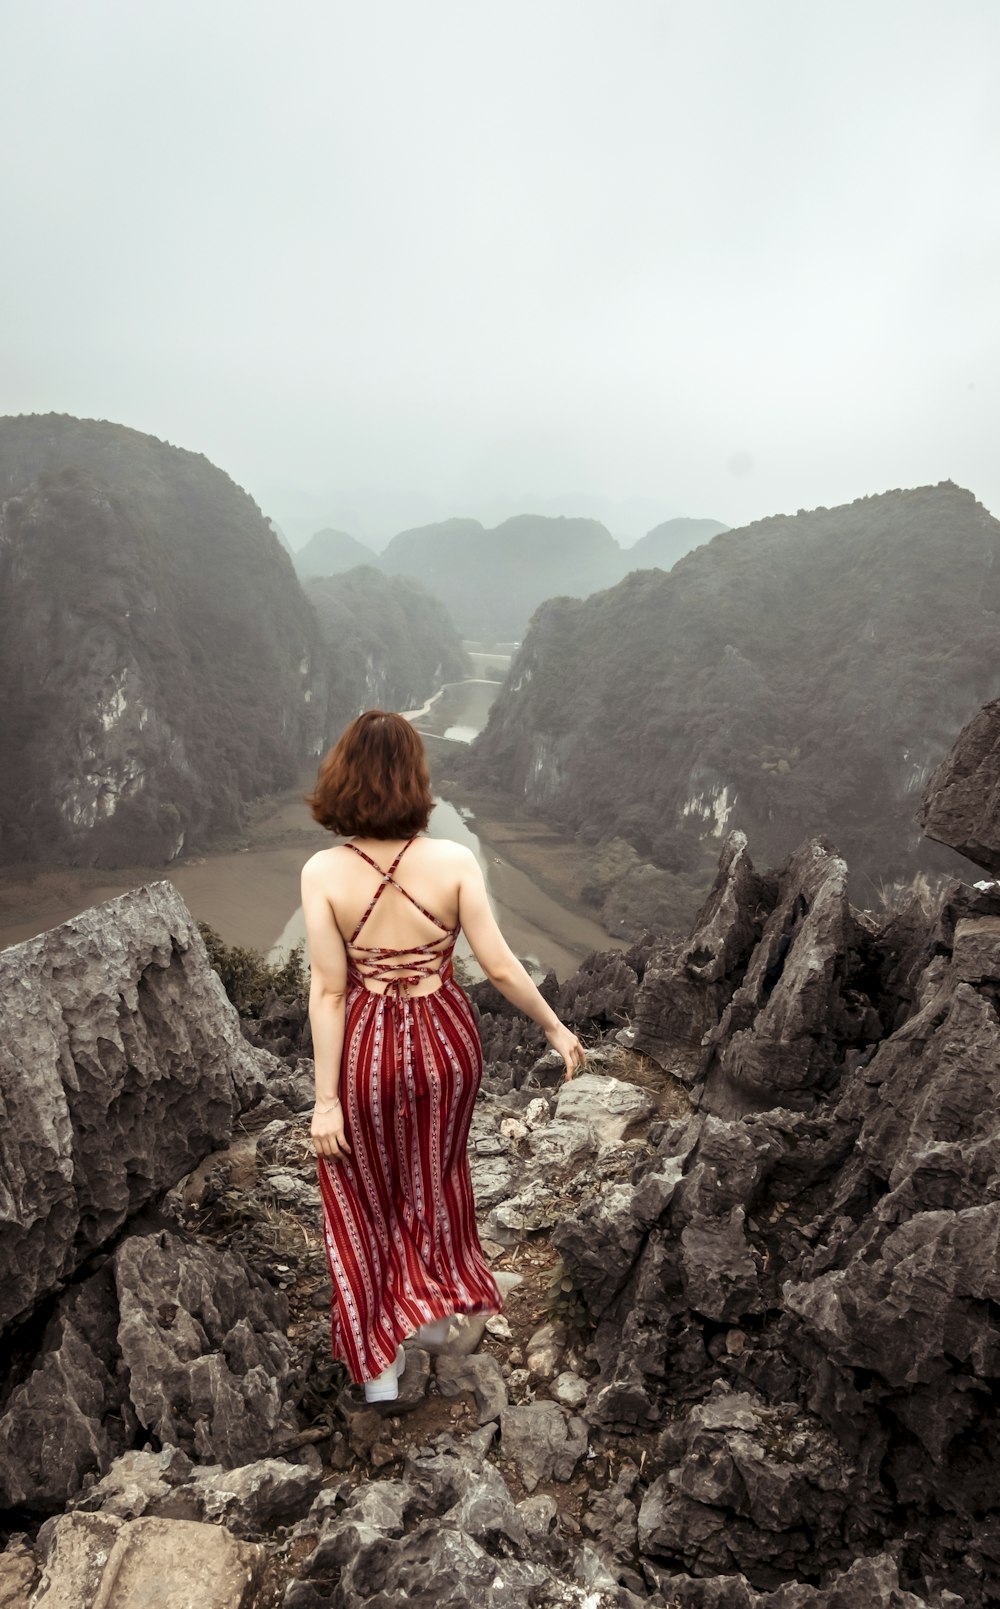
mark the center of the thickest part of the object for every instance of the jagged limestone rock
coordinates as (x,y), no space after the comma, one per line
(177,1338)
(747,1484)
(842,1257)
(542,1441)
(203,1340)
(686,986)
(961,803)
(74,1397)
(784,1032)
(121,1066)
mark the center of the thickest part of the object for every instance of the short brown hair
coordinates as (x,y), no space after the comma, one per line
(374,783)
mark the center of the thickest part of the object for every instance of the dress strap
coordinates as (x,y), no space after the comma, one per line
(388,878)
(386,875)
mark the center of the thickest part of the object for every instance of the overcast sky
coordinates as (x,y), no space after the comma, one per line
(393,260)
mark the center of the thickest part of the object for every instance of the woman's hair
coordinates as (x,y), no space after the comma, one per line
(373,783)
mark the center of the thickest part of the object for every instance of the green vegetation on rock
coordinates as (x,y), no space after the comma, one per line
(249,979)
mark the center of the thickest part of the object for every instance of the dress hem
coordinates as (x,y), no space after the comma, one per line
(474,1311)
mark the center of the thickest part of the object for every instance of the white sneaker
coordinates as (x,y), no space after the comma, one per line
(385,1386)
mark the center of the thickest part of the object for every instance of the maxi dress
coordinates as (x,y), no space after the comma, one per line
(399,1216)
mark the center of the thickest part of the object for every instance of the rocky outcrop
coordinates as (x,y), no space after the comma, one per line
(687,986)
(772,989)
(810,1262)
(121,1066)
(178,1341)
(746,1483)
(767,1373)
(961,806)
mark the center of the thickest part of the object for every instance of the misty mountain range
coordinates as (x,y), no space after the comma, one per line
(162,665)
(492,580)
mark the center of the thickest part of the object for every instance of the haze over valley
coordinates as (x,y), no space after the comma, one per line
(767,679)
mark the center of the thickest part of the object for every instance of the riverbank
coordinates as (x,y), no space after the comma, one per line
(237,886)
(247,887)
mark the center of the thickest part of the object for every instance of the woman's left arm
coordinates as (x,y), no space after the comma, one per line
(327,1010)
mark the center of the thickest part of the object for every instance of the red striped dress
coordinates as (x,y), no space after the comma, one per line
(398,1213)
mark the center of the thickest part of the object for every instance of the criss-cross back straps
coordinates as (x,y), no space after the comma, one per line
(388,878)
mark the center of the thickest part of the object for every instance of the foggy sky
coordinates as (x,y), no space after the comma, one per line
(392,261)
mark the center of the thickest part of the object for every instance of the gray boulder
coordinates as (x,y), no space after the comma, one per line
(203,1340)
(607,1107)
(750,1485)
(98,1559)
(121,1066)
(542,1442)
(250,1500)
(181,1340)
(478,1373)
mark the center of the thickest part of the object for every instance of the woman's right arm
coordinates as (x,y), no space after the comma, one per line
(502,967)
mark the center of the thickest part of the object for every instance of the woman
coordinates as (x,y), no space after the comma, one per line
(397,1052)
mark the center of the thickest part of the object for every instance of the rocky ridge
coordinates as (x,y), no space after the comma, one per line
(748,1352)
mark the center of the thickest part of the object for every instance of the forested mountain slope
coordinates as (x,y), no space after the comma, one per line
(800,675)
(159,664)
(390,643)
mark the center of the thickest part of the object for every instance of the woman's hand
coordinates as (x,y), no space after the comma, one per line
(569,1047)
(328,1130)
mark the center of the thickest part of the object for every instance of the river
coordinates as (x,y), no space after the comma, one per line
(250,894)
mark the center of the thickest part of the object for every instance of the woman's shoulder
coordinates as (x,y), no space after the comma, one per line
(319,865)
(445,851)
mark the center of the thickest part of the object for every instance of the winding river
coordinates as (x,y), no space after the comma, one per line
(249,895)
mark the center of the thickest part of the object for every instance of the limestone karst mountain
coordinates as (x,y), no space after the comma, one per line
(390,643)
(159,662)
(331,552)
(491,580)
(799,676)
